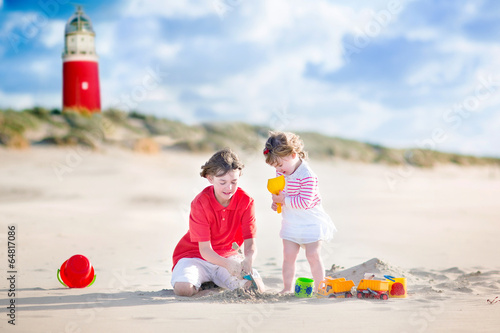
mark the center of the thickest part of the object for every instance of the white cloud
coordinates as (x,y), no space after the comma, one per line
(341,113)
(483,55)
(17,101)
(265,21)
(105,39)
(278,82)
(167,51)
(470,144)
(24,28)
(15,20)
(310,33)
(491,134)
(293,35)
(177,8)
(423,34)
(52,34)
(278,89)
(436,73)
(39,68)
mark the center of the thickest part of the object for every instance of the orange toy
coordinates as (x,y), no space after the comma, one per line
(335,288)
(275,185)
(373,289)
(397,286)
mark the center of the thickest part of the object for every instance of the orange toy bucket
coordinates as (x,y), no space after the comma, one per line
(397,286)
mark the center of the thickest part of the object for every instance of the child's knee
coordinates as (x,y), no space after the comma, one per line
(184,289)
(289,259)
(290,255)
(313,256)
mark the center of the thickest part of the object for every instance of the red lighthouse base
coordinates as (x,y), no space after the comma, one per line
(81,86)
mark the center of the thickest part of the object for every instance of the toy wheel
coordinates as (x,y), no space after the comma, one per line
(384,297)
(332,296)
(360,294)
(348,295)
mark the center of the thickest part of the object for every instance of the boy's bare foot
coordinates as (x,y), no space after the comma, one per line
(247,285)
(255,284)
(260,284)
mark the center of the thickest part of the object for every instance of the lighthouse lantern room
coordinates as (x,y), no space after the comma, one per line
(80,66)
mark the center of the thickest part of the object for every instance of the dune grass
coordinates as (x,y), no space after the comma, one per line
(91,130)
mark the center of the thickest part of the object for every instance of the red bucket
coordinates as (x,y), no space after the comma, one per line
(76,272)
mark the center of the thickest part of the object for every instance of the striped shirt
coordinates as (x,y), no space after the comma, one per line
(302,190)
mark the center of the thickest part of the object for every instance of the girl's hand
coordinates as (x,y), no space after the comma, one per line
(274,206)
(233,267)
(280,198)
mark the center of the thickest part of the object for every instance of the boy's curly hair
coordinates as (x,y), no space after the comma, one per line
(282,144)
(221,163)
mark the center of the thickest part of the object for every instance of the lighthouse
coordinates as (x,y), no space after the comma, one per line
(80,66)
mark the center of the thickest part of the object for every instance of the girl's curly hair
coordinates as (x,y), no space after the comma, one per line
(282,144)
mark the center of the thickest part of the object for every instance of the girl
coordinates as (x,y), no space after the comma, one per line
(304,223)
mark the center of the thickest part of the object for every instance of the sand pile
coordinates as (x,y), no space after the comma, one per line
(375,265)
(420,281)
(245,296)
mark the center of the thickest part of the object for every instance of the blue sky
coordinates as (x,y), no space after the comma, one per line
(402,73)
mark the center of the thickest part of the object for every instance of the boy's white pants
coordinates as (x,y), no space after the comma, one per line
(197,271)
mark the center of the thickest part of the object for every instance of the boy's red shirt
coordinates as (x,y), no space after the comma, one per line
(210,221)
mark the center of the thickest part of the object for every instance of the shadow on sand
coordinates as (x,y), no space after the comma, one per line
(49,301)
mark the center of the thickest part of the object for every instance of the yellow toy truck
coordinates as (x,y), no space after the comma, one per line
(335,288)
(373,289)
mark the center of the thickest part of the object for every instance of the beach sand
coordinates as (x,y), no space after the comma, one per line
(126,212)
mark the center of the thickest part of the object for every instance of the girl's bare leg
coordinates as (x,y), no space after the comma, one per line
(290,252)
(314,258)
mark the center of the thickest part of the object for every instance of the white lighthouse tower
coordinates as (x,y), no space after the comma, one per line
(80,66)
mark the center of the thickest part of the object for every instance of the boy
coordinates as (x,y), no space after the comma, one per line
(220,215)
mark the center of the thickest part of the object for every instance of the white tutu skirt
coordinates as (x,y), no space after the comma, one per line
(303,226)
